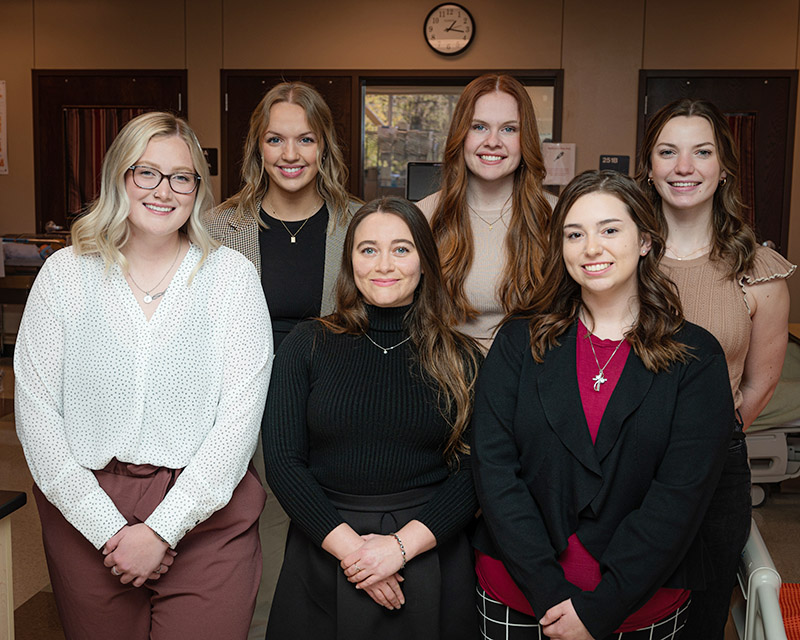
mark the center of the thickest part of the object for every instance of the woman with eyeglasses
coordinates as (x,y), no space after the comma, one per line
(142,363)
(289,219)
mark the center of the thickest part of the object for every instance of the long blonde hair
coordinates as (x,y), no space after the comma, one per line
(103,228)
(332,174)
(530,211)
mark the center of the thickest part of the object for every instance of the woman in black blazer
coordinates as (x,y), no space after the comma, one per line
(600,426)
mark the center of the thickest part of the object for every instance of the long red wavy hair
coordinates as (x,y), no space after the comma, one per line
(530,211)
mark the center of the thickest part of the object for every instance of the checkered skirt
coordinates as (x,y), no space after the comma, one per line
(500,622)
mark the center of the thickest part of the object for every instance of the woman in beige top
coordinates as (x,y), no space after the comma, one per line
(689,167)
(490,217)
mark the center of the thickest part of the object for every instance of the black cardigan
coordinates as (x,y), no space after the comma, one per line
(635,498)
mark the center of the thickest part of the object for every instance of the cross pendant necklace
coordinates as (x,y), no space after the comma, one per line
(600,378)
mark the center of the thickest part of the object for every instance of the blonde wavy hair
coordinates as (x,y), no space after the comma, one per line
(332,170)
(103,228)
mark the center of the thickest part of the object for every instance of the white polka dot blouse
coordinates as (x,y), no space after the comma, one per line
(96,380)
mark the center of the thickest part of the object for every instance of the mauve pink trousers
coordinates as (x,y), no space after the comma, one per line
(208,593)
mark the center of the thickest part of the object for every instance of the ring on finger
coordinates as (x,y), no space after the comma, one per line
(158,569)
(115,571)
(357,568)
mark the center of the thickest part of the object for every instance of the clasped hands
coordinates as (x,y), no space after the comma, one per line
(561,622)
(136,554)
(374,567)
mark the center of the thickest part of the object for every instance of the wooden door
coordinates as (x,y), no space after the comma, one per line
(769,96)
(243,90)
(54,91)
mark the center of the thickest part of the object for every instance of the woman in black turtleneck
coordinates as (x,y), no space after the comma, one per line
(364,436)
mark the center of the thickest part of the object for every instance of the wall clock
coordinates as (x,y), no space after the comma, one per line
(449,29)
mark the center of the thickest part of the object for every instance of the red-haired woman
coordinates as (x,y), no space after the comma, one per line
(490,217)
(689,168)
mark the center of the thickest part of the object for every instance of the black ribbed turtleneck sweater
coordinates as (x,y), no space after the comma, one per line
(343,415)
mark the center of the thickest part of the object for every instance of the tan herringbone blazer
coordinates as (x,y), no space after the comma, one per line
(241,233)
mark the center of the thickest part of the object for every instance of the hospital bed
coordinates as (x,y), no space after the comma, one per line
(773,440)
(758,616)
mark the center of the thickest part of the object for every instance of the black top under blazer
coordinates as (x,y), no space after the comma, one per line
(635,498)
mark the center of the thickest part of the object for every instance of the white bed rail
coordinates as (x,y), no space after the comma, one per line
(759,617)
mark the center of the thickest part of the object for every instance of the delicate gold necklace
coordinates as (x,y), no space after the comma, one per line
(688,255)
(493,222)
(148,297)
(293,236)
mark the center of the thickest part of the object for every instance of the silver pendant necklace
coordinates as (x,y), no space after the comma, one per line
(149,297)
(600,378)
(386,349)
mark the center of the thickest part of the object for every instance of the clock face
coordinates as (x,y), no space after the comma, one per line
(449,29)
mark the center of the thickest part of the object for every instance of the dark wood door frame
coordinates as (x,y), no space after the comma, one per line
(55,89)
(788,80)
(255,83)
(358,80)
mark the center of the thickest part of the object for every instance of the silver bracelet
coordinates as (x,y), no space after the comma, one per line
(402,548)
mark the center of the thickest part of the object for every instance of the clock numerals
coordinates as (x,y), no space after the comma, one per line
(449,28)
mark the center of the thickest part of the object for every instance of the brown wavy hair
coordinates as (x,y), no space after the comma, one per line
(530,211)
(332,174)
(447,358)
(557,301)
(734,240)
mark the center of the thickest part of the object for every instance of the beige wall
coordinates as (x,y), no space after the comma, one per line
(600,46)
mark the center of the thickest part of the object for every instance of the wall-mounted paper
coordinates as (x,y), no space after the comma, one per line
(559,160)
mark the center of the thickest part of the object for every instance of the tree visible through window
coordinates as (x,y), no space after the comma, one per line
(410,124)
(402,126)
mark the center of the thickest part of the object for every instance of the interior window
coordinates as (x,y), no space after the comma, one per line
(409,124)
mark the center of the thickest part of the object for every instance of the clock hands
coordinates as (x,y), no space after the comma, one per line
(452,27)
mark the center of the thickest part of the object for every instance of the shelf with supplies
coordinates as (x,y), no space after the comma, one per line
(21,257)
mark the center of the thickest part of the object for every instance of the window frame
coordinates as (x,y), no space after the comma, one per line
(359,79)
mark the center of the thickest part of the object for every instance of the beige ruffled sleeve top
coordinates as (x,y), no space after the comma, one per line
(718,303)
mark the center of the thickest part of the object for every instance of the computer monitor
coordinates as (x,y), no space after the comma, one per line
(422,179)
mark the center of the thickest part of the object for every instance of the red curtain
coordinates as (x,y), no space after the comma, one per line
(743,126)
(89,133)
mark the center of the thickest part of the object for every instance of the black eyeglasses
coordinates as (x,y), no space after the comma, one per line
(149,178)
